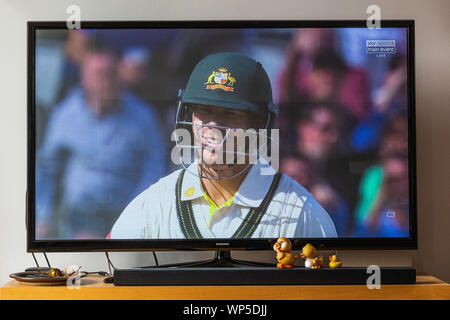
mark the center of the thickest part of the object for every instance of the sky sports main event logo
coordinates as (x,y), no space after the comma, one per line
(380,46)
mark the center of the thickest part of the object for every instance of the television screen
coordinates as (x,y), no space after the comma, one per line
(196,132)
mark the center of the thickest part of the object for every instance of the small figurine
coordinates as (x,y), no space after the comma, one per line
(283,249)
(68,271)
(313,262)
(335,262)
(55,272)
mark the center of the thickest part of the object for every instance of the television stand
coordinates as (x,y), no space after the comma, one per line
(222,270)
(222,259)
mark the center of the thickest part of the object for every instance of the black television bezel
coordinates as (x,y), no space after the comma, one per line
(34,245)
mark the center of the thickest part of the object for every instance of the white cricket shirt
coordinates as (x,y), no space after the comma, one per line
(292,213)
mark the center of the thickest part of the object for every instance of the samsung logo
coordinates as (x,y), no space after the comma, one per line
(222,243)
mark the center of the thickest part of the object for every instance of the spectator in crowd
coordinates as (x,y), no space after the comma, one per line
(132,68)
(382,209)
(77,46)
(389,99)
(299,56)
(299,168)
(317,132)
(300,52)
(393,92)
(303,171)
(314,72)
(389,213)
(144,72)
(102,148)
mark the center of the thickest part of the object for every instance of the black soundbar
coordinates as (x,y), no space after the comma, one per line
(259,276)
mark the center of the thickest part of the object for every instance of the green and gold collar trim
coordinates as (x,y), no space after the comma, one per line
(246,229)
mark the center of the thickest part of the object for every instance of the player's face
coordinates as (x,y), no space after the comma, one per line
(210,129)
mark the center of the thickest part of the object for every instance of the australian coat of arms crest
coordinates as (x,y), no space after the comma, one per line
(220,79)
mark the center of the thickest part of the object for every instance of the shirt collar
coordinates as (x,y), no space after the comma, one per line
(191,187)
(255,185)
(251,192)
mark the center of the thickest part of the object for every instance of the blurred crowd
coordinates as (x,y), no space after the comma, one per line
(106,104)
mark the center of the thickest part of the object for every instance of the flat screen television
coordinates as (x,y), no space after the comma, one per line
(213,135)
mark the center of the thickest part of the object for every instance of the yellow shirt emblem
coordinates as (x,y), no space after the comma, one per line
(189,192)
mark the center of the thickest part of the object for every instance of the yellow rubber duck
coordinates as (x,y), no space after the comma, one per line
(335,262)
(309,253)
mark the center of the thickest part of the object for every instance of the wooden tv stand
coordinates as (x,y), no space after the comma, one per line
(93,288)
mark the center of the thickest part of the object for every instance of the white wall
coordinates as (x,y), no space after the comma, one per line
(433,116)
